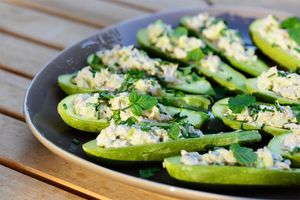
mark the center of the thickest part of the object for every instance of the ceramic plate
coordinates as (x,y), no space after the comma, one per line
(44,94)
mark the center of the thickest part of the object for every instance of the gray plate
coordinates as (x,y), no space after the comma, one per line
(44,94)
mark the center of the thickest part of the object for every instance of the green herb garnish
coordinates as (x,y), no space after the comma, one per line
(179,31)
(65,106)
(243,155)
(292,25)
(296,110)
(139,103)
(148,172)
(174,131)
(94,61)
(240,102)
(195,55)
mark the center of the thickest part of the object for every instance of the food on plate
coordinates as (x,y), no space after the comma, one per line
(238,166)
(279,40)
(276,85)
(288,146)
(225,42)
(243,112)
(174,44)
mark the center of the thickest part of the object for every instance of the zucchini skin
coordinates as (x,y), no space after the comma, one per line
(275,53)
(229,77)
(268,96)
(65,110)
(231,175)
(65,83)
(219,109)
(275,145)
(157,152)
(252,68)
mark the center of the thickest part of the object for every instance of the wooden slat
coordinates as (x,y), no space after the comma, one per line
(14,185)
(12,93)
(164,4)
(18,144)
(286,5)
(93,12)
(41,27)
(23,57)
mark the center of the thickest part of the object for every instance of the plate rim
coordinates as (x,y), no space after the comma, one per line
(148,185)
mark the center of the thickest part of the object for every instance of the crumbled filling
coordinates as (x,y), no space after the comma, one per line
(124,135)
(103,79)
(272,115)
(224,157)
(161,36)
(91,107)
(211,62)
(151,86)
(217,32)
(283,83)
(271,31)
(127,58)
(291,142)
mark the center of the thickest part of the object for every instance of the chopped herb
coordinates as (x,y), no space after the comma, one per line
(240,102)
(195,55)
(229,79)
(277,106)
(131,120)
(65,106)
(292,25)
(136,74)
(178,118)
(243,155)
(179,31)
(254,109)
(195,77)
(296,110)
(265,109)
(283,73)
(94,61)
(148,172)
(139,103)
(116,116)
(174,131)
(93,72)
(295,150)
(104,95)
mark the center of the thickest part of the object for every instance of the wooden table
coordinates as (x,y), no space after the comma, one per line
(31,33)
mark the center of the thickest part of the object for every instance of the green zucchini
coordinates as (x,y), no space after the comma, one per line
(274,52)
(159,151)
(275,145)
(231,175)
(219,110)
(253,68)
(66,111)
(266,95)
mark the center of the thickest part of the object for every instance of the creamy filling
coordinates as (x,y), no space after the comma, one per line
(211,62)
(217,32)
(284,84)
(127,58)
(104,79)
(160,35)
(224,157)
(271,31)
(276,116)
(291,142)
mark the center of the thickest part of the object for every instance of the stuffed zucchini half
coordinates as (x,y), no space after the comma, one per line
(93,112)
(225,42)
(288,146)
(174,44)
(276,85)
(119,68)
(238,166)
(243,112)
(123,143)
(278,40)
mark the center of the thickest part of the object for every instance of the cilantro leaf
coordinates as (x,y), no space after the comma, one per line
(291,22)
(240,102)
(136,109)
(243,155)
(146,102)
(174,131)
(148,172)
(294,33)
(195,55)
(94,61)
(179,31)
(133,96)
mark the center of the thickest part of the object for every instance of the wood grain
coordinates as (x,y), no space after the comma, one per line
(14,185)
(18,144)
(92,12)
(41,27)
(23,57)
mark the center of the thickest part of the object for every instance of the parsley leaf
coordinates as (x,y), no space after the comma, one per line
(240,102)
(139,103)
(174,131)
(195,55)
(148,172)
(292,25)
(243,155)
(94,61)
(131,120)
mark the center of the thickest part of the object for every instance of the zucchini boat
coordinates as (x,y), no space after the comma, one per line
(264,171)
(278,40)
(276,85)
(159,151)
(92,112)
(274,119)
(174,44)
(288,146)
(224,41)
